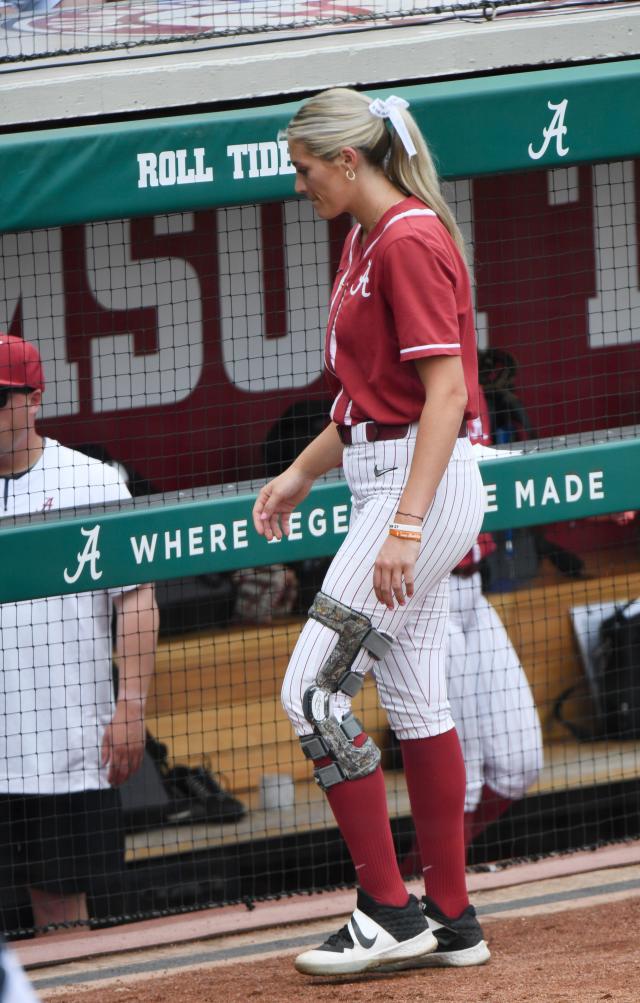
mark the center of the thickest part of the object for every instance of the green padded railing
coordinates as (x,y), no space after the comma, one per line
(146,543)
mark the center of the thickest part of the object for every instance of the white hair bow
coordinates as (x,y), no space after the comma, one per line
(390,108)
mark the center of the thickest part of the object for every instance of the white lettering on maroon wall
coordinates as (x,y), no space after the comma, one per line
(121,377)
(253,360)
(206,326)
(614,313)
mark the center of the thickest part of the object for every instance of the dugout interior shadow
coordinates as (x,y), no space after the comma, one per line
(317,860)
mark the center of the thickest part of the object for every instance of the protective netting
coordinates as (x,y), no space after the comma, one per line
(35,28)
(185,352)
(209,325)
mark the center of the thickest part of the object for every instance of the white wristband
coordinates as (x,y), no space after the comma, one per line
(403,527)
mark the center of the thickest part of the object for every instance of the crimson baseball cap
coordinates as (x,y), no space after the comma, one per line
(20,363)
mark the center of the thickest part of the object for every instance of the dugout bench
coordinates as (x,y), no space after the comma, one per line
(216,694)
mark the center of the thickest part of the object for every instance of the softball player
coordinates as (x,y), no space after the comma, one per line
(401,346)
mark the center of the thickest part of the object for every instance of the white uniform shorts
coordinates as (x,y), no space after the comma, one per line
(411,680)
(490,698)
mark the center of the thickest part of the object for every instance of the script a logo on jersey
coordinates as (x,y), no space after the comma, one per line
(362,285)
(90,555)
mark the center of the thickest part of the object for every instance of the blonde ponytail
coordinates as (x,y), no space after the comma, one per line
(418,176)
(340,117)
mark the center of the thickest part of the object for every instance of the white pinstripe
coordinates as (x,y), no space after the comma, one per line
(411,680)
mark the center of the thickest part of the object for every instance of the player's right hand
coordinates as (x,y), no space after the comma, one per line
(277,500)
(393,572)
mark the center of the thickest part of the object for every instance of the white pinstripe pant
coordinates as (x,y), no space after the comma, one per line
(491,700)
(411,680)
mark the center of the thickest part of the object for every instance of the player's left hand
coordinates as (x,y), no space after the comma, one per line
(393,572)
(123,742)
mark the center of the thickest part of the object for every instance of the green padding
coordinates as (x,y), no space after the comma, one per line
(481,126)
(217,534)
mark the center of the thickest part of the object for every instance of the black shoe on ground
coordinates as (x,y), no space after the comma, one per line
(214,803)
(460,941)
(183,807)
(376,935)
(221,805)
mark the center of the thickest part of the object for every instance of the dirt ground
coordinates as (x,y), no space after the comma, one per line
(577,956)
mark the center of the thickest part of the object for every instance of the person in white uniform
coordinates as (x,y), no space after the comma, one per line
(492,705)
(65,746)
(489,693)
(401,351)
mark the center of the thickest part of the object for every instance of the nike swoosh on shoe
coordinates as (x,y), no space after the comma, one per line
(365,941)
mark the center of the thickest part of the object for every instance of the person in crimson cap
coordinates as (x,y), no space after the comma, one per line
(20,364)
(21,387)
(64,745)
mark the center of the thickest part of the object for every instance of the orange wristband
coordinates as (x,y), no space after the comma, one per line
(404,532)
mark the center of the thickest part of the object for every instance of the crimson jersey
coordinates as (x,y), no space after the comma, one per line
(403,295)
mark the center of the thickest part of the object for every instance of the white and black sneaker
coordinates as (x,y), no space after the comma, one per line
(375,935)
(460,941)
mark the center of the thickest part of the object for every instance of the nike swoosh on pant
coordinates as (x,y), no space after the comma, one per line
(379,473)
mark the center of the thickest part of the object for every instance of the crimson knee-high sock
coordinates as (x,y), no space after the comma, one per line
(411,863)
(490,807)
(436,780)
(360,809)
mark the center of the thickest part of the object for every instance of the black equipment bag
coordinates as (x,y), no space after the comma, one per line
(615,684)
(619,673)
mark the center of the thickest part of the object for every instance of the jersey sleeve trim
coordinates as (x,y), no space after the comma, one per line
(431,348)
(407,214)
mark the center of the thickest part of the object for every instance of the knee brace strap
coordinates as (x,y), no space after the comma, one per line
(332,737)
(354,631)
(335,739)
